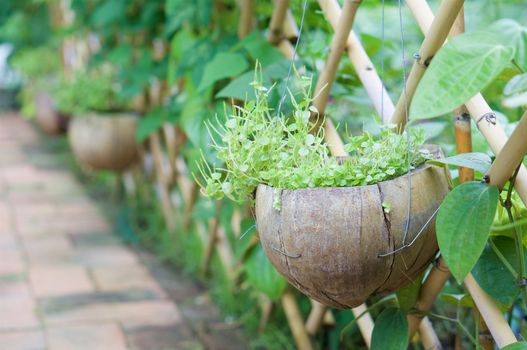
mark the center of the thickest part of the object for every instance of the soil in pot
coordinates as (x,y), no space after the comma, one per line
(327,241)
(104,142)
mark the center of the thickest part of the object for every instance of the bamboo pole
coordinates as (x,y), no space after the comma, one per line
(498,326)
(294,318)
(245,25)
(462,128)
(434,39)
(277,21)
(160,175)
(361,62)
(327,77)
(428,335)
(510,155)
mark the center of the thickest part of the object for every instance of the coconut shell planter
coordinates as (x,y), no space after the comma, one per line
(104,141)
(327,241)
(48,118)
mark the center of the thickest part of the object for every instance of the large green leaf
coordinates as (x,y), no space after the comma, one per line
(262,274)
(223,65)
(493,276)
(473,160)
(463,67)
(390,331)
(521,345)
(513,34)
(407,296)
(260,50)
(241,89)
(463,225)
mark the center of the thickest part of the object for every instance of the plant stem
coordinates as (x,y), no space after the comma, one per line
(503,260)
(518,66)
(507,204)
(458,324)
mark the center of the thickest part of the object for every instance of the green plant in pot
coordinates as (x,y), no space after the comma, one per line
(39,67)
(101,133)
(338,229)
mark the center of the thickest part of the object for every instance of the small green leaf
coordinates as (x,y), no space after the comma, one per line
(517,84)
(147,125)
(223,65)
(407,296)
(521,345)
(493,276)
(463,225)
(463,67)
(474,160)
(390,331)
(458,299)
(262,274)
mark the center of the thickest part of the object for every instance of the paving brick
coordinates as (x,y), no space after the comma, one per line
(106,336)
(155,312)
(166,337)
(49,249)
(18,314)
(11,262)
(59,280)
(14,288)
(103,256)
(115,278)
(23,340)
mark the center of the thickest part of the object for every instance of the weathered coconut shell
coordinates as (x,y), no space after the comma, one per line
(48,118)
(327,241)
(104,142)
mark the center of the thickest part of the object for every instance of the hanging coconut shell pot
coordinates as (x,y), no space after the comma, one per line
(48,118)
(327,242)
(104,141)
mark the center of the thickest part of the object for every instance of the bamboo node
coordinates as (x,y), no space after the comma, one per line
(440,265)
(489,118)
(522,282)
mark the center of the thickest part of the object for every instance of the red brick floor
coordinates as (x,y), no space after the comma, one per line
(65,281)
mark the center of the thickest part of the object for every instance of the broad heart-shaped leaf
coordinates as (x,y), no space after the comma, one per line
(464,300)
(513,34)
(473,160)
(461,68)
(223,65)
(493,276)
(390,331)
(521,345)
(262,274)
(463,225)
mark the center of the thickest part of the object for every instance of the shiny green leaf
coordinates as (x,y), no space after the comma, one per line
(463,225)
(464,66)
(390,331)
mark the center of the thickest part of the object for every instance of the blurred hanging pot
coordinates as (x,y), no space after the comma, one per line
(327,241)
(104,141)
(48,118)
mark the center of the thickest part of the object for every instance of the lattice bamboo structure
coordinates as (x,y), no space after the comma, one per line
(171,172)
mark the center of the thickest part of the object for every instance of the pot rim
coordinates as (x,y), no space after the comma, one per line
(420,168)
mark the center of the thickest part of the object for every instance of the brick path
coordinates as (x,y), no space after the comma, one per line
(66,282)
